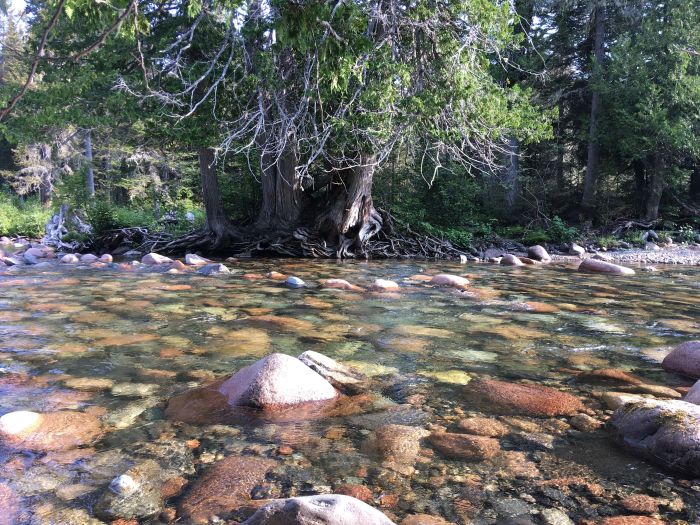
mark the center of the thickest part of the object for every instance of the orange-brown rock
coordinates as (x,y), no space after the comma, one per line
(9,505)
(224,488)
(361,492)
(640,504)
(610,376)
(483,426)
(465,447)
(517,398)
(424,519)
(51,431)
(630,520)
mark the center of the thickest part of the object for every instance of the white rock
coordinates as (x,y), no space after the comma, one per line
(294,282)
(575,249)
(106,258)
(70,258)
(19,422)
(123,485)
(195,260)
(322,509)
(155,258)
(384,284)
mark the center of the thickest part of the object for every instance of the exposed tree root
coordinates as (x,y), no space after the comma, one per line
(394,240)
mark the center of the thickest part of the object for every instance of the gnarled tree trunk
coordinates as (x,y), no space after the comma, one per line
(218,225)
(655,188)
(592,162)
(350,220)
(282,196)
(89,169)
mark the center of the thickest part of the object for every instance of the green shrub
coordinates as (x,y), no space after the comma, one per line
(687,233)
(101,215)
(559,232)
(22,218)
(536,236)
(634,238)
(460,238)
(608,241)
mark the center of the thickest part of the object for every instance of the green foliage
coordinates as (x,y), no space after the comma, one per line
(26,218)
(459,238)
(687,234)
(635,238)
(559,231)
(608,241)
(536,236)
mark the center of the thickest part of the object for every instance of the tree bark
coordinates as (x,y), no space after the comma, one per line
(350,218)
(89,172)
(510,181)
(640,186)
(655,189)
(694,185)
(217,224)
(46,184)
(588,200)
(282,195)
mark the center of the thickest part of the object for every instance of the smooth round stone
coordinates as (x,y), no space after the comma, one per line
(19,422)
(123,485)
(294,282)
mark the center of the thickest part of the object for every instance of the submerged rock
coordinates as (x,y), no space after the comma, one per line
(294,282)
(341,284)
(154,258)
(213,269)
(483,426)
(510,260)
(342,377)
(538,253)
(384,285)
(43,432)
(396,445)
(465,446)
(325,509)
(684,360)
(276,380)
(444,279)
(597,266)
(664,432)
(516,398)
(224,487)
(9,505)
(136,494)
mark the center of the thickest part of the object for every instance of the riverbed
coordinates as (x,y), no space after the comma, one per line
(147,336)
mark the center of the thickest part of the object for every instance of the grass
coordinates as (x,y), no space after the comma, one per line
(23,218)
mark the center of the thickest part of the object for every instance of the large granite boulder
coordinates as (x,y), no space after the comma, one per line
(278,386)
(276,380)
(517,398)
(684,360)
(330,509)
(693,395)
(597,266)
(664,432)
(511,260)
(538,253)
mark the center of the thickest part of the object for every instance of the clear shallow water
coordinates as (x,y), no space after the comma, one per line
(174,332)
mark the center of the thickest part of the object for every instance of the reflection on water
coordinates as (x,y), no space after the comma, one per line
(118,343)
